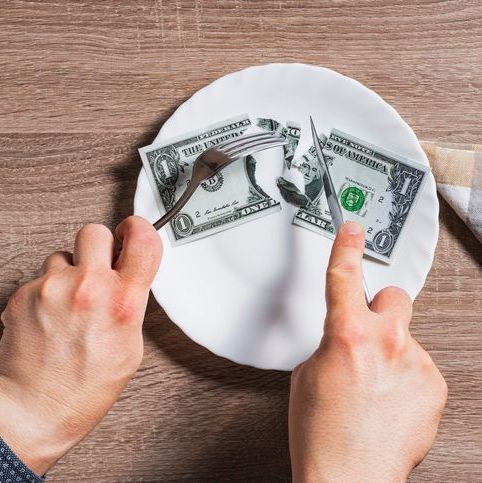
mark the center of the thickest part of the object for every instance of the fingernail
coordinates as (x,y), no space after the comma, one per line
(352,228)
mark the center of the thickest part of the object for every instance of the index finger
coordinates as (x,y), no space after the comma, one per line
(141,251)
(344,278)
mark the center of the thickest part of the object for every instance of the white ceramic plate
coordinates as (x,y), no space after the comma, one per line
(255,293)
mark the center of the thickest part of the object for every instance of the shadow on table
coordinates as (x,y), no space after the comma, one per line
(230,421)
(200,361)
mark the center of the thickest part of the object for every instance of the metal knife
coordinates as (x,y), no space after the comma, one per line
(333,204)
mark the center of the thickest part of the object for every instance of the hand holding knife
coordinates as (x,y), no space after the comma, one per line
(332,199)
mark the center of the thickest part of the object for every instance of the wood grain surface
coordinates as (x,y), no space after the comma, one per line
(84,83)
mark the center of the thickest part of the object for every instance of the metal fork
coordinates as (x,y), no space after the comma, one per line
(213,160)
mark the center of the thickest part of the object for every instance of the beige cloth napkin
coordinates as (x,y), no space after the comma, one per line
(457,169)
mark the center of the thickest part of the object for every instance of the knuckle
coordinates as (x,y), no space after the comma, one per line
(402,299)
(131,220)
(134,219)
(124,309)
(85,291)
(128,223)
(342,267)
(82,299)
(128,220)
(394,340)
(349,335)
(339,271)
(47,288)
(94,230)
(18,298)
(54,255)
(397,292)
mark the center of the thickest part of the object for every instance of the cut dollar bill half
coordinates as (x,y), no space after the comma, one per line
(225,200)
(375,188)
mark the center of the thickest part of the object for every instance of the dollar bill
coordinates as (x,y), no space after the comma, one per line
(375,188)
(292,133)
(225,200)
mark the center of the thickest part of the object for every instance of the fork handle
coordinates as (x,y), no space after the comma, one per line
(167,217)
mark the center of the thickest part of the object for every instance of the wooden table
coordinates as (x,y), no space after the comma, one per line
(84,83)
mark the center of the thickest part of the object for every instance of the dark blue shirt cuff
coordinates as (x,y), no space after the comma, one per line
(12,470)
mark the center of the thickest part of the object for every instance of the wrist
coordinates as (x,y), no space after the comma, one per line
(32,427)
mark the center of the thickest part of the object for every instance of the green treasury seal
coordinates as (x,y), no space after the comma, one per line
(352,198)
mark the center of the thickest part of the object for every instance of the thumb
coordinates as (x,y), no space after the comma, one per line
(344,278)
(141,251)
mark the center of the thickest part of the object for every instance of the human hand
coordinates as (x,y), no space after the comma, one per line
(366,405)
(73,340)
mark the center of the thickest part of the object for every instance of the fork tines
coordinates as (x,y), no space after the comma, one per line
(235,147)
